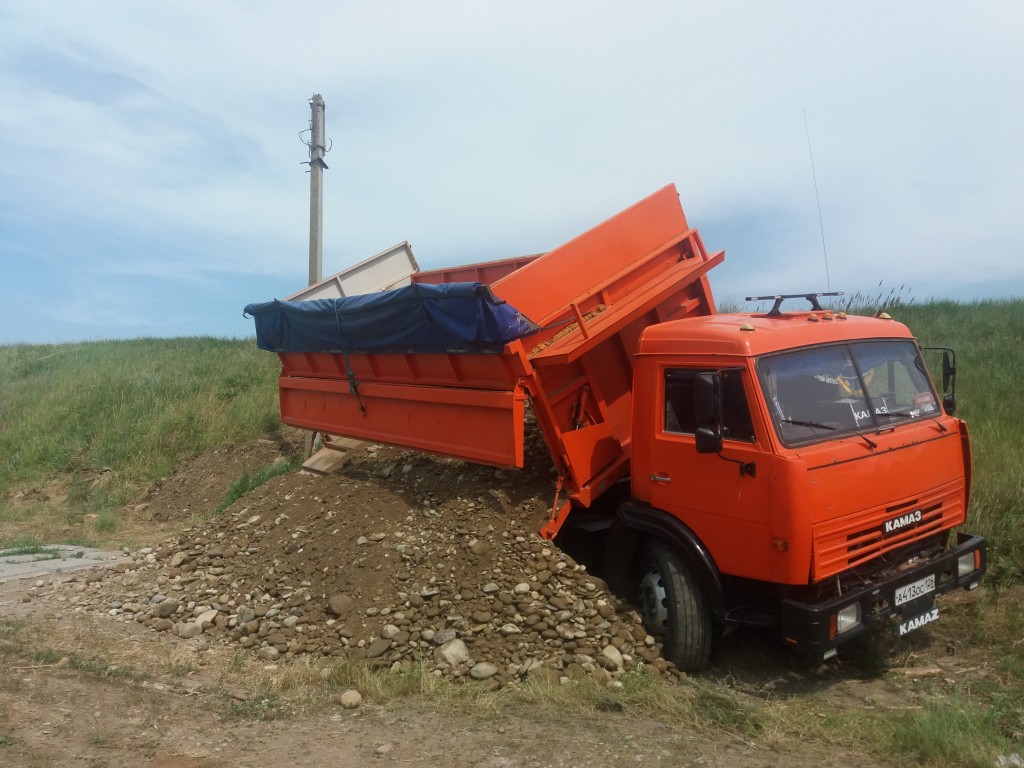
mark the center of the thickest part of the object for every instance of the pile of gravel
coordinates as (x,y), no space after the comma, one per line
(401,560)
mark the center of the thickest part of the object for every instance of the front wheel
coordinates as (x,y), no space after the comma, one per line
(674,608)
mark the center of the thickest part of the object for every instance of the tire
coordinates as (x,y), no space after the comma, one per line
(673,607)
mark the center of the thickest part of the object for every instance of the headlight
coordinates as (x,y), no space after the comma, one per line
(967,564)
(847,618)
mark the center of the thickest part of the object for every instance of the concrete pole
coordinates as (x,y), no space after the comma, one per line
(317,149)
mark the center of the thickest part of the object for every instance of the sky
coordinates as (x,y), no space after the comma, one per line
(151,176)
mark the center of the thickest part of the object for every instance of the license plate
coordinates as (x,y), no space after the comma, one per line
(915,590)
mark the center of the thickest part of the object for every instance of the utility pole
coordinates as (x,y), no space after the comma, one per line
(317,150)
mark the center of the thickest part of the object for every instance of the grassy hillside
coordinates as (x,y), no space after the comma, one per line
(987,338)
(107,418)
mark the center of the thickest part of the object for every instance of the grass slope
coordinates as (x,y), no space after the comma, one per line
(110,417)
(990,394)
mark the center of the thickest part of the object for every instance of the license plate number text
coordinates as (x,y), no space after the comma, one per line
(915,590)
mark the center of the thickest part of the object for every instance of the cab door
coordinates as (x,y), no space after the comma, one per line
(728,508)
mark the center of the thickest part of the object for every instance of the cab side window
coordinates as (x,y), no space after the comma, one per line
(679,412)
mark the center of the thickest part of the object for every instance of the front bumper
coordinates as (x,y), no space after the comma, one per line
(811,627)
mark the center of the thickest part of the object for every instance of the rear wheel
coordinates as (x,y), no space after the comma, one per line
(674,608)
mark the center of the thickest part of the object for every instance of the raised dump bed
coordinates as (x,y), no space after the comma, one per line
(590,298)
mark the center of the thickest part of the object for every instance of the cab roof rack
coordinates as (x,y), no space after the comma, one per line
(779,298)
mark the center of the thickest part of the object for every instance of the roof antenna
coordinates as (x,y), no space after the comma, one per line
(821,224)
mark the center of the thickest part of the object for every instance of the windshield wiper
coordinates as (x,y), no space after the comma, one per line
(799,423)
(942,427)
(818,425)
(906,414)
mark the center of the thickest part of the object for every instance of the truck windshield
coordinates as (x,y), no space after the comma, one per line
(824,392)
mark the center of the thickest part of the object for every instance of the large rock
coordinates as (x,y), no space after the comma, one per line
(453,653)
(245,615)
(166,609)
(483,671)
(178,559)
(340,605)
(378,648)
(610,658)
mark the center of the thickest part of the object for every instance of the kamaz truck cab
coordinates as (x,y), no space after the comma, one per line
(803,469)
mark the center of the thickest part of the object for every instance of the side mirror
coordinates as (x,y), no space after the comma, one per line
(707,412)
(948,370)
(948,378)
(706,400)
(709,440)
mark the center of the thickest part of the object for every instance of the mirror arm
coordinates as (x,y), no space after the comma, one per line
(746,467)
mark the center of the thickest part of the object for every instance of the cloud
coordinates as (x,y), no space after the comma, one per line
(159,143)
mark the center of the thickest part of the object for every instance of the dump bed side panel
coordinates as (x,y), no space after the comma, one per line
(488,272)
(479,425)
(466,406)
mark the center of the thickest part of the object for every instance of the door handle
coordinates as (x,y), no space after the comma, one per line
(661,478)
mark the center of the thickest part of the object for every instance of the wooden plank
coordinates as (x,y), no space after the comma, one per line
(335,453)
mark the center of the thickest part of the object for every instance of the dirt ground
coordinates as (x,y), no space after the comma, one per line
(297,542)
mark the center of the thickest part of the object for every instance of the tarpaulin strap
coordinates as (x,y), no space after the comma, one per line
(353,382)
(423,305)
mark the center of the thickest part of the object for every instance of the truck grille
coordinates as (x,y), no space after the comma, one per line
(856,539)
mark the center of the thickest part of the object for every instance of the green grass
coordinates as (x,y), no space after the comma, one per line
(112,416)
(249,481)
(24,545)
(990,395)
(977,722)
(958,730)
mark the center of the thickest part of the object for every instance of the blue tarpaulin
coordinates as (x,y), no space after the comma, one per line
(445,318)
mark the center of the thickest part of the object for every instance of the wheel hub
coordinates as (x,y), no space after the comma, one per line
(653,601)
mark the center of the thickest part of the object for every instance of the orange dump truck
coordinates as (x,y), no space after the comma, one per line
(788,469)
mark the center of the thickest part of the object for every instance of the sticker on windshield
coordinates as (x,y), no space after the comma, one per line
(849,385)
(924,401)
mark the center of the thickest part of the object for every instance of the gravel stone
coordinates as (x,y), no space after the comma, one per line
(351,699)
(453,653)
(483,671)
